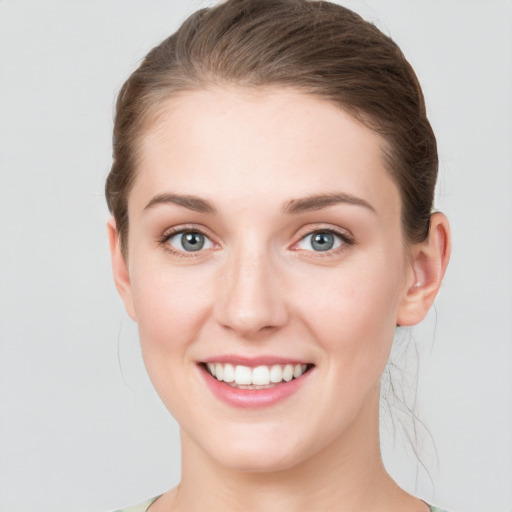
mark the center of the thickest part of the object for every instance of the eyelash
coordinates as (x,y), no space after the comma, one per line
(164,239)
(346,241)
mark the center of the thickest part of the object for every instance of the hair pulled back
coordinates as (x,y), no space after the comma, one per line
(317,47)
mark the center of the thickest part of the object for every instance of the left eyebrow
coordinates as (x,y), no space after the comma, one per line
(193,203)
(319,201)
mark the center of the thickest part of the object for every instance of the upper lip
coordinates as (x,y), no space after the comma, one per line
(254,361)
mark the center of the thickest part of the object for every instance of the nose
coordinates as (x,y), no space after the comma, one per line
(251,298)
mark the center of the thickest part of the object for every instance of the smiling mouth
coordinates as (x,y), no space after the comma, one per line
(259,377)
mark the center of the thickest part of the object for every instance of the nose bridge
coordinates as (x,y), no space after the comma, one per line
(250,296)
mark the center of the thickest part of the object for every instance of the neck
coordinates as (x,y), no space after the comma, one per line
(346,475)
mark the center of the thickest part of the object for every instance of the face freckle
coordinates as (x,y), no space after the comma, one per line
(318,283)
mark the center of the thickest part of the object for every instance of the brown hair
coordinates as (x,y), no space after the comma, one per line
(314,46)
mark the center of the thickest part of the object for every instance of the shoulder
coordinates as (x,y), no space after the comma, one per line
(140,507)
(143,507)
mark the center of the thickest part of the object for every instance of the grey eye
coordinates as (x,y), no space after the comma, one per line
(322,241)
(191,241)
(319,241)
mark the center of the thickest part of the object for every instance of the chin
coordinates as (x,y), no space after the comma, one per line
(265,452)
(258,461)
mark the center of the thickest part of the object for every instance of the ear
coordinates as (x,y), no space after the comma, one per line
(429,260)
(120,269)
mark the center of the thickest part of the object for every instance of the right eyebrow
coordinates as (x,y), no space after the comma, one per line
(320,201)
(193,203)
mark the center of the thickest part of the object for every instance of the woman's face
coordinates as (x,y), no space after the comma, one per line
(265,238)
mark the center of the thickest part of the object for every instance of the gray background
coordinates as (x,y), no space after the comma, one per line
(80,427)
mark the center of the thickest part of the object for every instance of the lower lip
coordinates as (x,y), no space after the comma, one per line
(253,398)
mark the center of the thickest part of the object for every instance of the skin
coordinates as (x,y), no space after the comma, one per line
(259,287)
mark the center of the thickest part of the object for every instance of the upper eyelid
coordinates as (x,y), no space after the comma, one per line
(345,237)
(169,233)
(186,228)
(326,228)
(173,231)
(300,234)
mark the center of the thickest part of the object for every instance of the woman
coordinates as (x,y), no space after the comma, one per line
(271,194)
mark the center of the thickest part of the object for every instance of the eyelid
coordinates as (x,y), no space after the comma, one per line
(344,235)
(186,228)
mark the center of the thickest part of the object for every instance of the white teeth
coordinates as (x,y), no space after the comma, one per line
(243,375)
(219,371)
(259,376)
(288,373)
(276,373)
(229,373)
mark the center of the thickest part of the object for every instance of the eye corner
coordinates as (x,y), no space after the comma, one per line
(187,241)
(323,241)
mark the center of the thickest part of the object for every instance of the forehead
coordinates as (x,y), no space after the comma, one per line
(263,143)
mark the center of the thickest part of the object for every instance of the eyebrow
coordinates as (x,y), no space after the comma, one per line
(294,206)
(193,203)
(319,201)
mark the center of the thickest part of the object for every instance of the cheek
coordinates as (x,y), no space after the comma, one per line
(171,306)
(353,316)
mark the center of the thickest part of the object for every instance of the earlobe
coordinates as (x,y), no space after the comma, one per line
(428,264)
(120,269)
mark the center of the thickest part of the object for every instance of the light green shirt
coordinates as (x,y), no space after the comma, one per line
(143,507)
